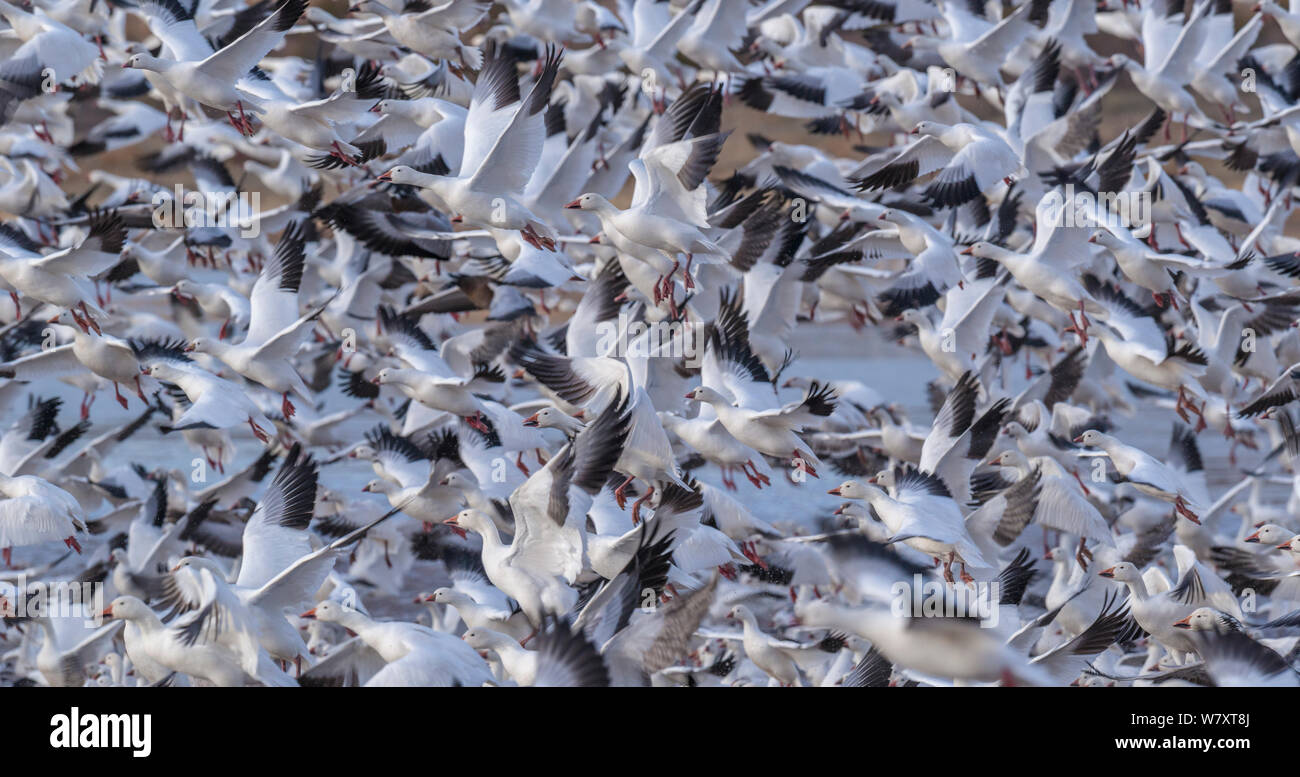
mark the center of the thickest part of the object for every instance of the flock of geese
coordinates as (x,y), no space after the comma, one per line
(440,334)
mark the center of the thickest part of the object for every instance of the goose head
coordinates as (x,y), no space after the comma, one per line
(161,371)
(470,519)
(487,639)
(1103,237)
(330,611)
(376,487)
(982,249)
(127,608)
(928,127)
(1011,458)
(1091,438)
(184,290)
(1270,534)
(387,375)
(740,613)
(589,201)
(198,562)
(885,478)
(553,418)
(463,481)
(705,394)
(403,174)
(1124,572)
(1201,619)
(916,318)
(850,489)
(445,595)
(1122,61)
(1015,430)
(144,61)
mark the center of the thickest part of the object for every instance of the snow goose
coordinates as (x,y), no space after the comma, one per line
(977,48)
(62,278)
(772,431)
(216,641)
(717,30)
(71,57)
(1171,52)
(214,403)
(667,212)
(412,655)
(548,550)
(1146,473)
(480,616)
(655,33)
(562,658)
(269,583)
(647,454)
(921,515)
(1061,505)
(215,80)
(939,647)
(1048,272)
(771,655)
(1287,21)
(1135,341)
(33,511)
(106,356)
(971,160)
(1157,607)
(503,144)
(264,356)
(435,31)
(1222,51)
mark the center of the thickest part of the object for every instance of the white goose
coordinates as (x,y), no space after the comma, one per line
(215,80)
(922,515)
(1145,472)
(412,655)
(33,511)
(503,144)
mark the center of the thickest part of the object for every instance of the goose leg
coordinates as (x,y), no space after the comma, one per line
(1082,485)
(90,320)
(286,406)
(117,394)
(668,280)
(1082,554)
(258,432)
(8,554)
(636,506)
(18,308)
(476,421)
(519,462)
(620,494)
(947,569)
(139,392)
(686,273)
(802,463)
